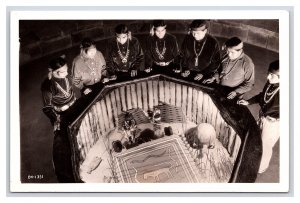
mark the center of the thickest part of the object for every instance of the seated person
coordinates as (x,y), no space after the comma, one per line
(162,52)
(125,57)
(89,68)
(236,73)
(58,98)
(200,53)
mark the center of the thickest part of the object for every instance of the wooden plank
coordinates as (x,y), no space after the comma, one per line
(80,140)
(194,106)
(105,116)
(96,120)
(118,101)
(167,92)
(90,130)
(172,93)
(114,108)
(218,124)
(184,99)
(209,109)
(150,93)
(92,127)
(123,98)
(226,136)
(213,110)
(84,135)
(178,95)
(236,147)
(231,138)
(189,103)
(101,123)
(161,89)
(155,92)
(145,96)
(109,111)
(205,107)
(133,96)
(139,95)
(128,97)
(213,113)
(200,107)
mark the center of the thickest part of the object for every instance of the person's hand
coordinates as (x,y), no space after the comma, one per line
(198,77)
(185,73)
(105,80)
(209,80)
(148,70)
(133,73)
(64,108)
(87,91)
(176,70)
(231,95)
(243,102)
(113,77)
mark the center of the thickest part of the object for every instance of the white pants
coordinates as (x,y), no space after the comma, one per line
(269,135)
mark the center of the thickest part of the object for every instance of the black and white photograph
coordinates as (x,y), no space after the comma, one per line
(149,99)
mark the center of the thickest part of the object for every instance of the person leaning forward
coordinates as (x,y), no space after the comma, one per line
(236,73)
(125,57)
(89,68)
(58,99)
(162,52)
(200,53)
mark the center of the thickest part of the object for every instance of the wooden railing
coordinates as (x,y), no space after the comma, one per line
(199,104)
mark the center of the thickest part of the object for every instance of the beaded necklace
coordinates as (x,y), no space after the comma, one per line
(198,54)
(269,95)
(123,58)
(66,93)
(160,55)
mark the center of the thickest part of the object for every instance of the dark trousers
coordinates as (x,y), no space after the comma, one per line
(62,152)
(62,156)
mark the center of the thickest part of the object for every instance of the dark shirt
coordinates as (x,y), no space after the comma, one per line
(56,93)
(269,106)
(154,45)
(135,60)
(208,51)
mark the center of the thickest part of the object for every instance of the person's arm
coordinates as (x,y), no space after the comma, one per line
(214,64)
(138,63)
(148,53)
(255,99)
(47,101)
(184,55)
(76,73)
(110,66)
(176,54)
(248,81)
(103,65)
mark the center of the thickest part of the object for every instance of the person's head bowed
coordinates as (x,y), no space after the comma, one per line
(88,47)
(198,28)
(122,33)
(58,68)
(158,28)
(234,47)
